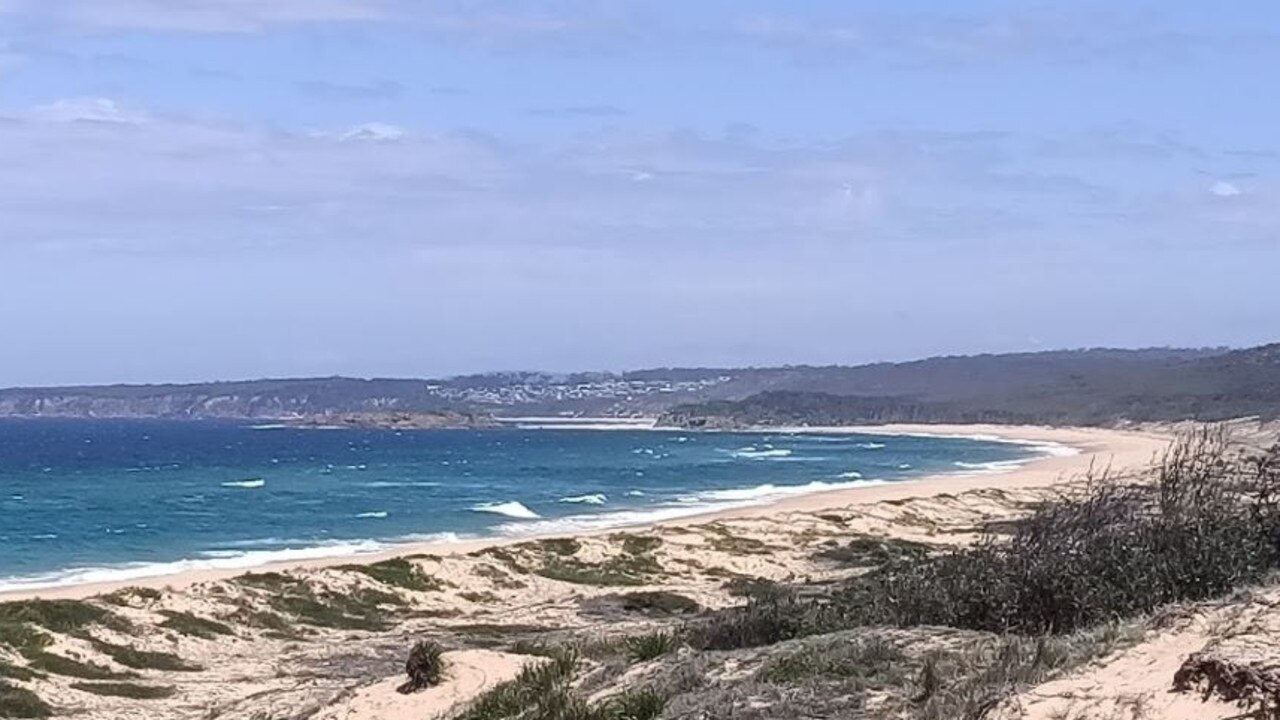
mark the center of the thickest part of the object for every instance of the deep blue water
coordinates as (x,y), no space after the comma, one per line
(94,500)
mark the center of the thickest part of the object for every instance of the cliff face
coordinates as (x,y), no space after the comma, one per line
(161,406)
(266,399)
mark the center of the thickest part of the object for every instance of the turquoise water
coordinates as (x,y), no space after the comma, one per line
(85,501)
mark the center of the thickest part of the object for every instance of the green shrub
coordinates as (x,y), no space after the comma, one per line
(17,672)
(187,624)
(19,702)
(864,663)
(1208,524)
(658,602)
(425,667)
(398,572)
(126,690)
(540,691)
(123,596)
(144,659)
(60,616)
(642,648)
(61,665)
(631,704)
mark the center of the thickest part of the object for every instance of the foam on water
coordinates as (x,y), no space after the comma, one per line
(592,499)
(112,523)
(209,560)
(511,508)
(754,454)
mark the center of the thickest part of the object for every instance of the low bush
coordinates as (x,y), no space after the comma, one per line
(19,702)
(642,648)
(425,667)
(1255,690)
(126,690)
(144,659)
(1209,522)
(398,572)
(62,665)
(187,624)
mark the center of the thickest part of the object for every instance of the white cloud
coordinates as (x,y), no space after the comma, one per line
(98,175)
(374,132)
(200,15)
(1224,189)
(88,109)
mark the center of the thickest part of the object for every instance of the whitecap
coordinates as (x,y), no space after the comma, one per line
(754,454)
(635,493)
(593,499)
(871,445)
(852,475)
(207,560)
(249,484)
(375,514)
(509,509)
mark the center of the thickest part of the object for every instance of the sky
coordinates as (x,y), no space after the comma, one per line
(216,189)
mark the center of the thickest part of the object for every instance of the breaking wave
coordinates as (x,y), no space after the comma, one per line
(510,509)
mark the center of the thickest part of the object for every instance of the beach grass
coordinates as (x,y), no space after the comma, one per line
(642,648)
(133,691)
(19,702)
(61,616)
(124,596)
(144,659)
(55,664)
(398,572)
(186,623)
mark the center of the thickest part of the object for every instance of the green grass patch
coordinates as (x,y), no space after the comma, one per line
(22,637)
(19,702)
(865,664)
(398,572)
(642,648)
(271,581)
(500,578)
(61,616)
(132,691)
(18,672)
(61,665)
(557,546)
(723,540)
(658,602)
(193,625)
(637,544)
(867,551)
(144,659)
(124,597)
(361,609)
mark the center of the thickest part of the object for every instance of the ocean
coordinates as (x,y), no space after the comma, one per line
(99,500)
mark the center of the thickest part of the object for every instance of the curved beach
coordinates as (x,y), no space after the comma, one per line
(1118,450)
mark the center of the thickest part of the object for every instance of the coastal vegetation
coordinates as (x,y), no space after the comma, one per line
(811,615)
(1090,387)
(930,633)
(425,667)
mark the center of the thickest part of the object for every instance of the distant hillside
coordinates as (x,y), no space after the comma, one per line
(1089,387)
(1084,386)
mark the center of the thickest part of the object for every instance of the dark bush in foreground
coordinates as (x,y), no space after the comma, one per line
(18,702)
(1209,523)
(1253,689)
(425,667)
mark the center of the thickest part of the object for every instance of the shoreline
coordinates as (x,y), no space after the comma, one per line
(1119,450)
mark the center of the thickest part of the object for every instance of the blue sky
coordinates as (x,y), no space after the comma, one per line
(198,189)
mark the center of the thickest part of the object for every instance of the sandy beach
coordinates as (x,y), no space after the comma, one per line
(327,638)
(1078,450)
